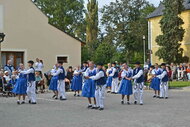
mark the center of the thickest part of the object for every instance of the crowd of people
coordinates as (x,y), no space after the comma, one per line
(92,80)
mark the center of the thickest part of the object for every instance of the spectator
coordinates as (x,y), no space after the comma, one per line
(69,78)
(2,81)
(8,67)
(7,77)
(188,72)
(169,71)
(39,66)
(180,72)
(38,82)
(174,71)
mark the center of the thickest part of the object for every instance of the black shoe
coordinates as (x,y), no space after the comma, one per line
(29,101)
(53,96)
(154,96)
(18,102)
(122,102)
(158,97)
(93,107)
(112,92)
(33,103)
(166,97)
(161,97)
(141,103)
(135,102)
(89,106)
(108,91)
(96,108)
(78,95)
(75,94)
(62,99)
(101,109)
(23,102)
(56,98)
(128,103)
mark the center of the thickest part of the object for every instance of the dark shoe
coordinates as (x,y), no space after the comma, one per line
(56,98)
(161,97)
(101,109)
(154,96)
(62,99)
(33,103)
(89,106)
(78,95)
(166,97)
(96,108)
(135,102)
(122,102)
(128,103)
(29,101)
(75,94)
(141,103)
(108,91)
(93,107)
(23,102)
(18,102)
(53,96)
(112,92)
(158,97)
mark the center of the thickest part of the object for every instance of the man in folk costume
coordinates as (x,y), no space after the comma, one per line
(100,82)
(138,77)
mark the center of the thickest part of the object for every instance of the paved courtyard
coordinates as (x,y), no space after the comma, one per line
(174,112)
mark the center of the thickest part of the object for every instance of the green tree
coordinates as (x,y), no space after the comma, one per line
(67,15)
(172,32)
(125,20)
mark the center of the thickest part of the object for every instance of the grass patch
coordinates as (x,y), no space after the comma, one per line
(179,84)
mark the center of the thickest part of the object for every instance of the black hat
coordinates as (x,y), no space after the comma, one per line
(163,64)
(31,62)
(60,62)
(100,64)
(138,63)
(114,63)
(151,66)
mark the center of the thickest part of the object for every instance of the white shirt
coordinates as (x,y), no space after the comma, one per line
(124,73)
(113,71)
(58,72)
(161,76)
(88,71)
(31,70)
(98,75)
(138,75)
(38,66)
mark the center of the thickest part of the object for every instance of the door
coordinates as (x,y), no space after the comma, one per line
(15,57)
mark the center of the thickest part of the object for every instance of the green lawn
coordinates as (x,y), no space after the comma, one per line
(179,84)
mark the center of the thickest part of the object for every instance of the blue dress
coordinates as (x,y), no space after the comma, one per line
(53,83)
(109,79)
(126,85)
(155,83)
(21,85)
(89,85)
(76,83)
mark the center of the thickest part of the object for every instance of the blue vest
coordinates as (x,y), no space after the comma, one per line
(61,76)
(102,80)
(116,73)
(157,72)
(31,76)
(165,79)
(141,78)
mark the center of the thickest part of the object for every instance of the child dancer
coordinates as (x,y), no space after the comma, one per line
(54,82)
(61,81)
(89,85)
(109,79)
(126,84)
(114,76)
(139,83)
(155,84)
(164,82)
(21,86)
(100,81)
(76,85)
(31,89)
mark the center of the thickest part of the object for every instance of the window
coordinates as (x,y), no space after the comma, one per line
(63,59)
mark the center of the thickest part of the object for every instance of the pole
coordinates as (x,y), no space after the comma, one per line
(144,45)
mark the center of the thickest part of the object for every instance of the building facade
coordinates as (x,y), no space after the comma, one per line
(154,30)
(30,36)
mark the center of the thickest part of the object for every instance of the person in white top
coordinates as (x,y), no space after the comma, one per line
(38,66)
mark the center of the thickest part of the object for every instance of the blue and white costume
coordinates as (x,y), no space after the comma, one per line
(89,84)
(114,75)
(31,84)
(77,81)
(61,82)
(9,68)
(21,85)
(54,81)
(164,83)
(155,83)
(109,79)
(138,84)
(126,85)
(100,82)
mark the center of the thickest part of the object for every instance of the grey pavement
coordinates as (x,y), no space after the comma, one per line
(174,112)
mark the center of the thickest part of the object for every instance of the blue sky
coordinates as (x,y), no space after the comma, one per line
(104,2)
